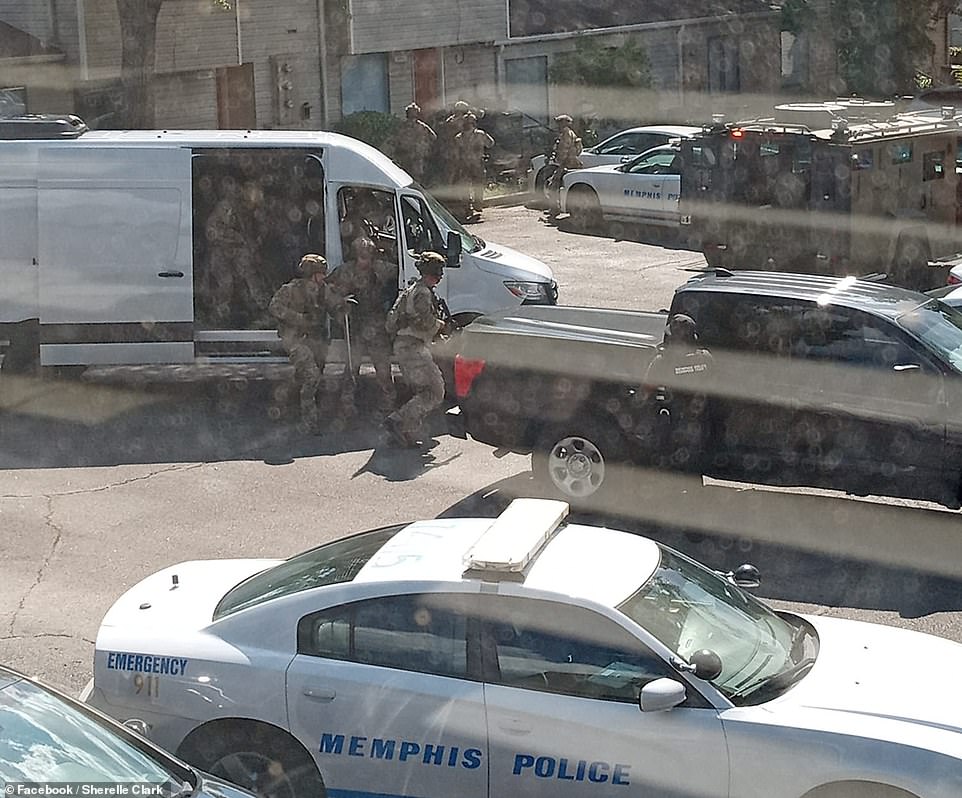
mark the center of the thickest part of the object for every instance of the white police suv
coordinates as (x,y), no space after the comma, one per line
(524,656)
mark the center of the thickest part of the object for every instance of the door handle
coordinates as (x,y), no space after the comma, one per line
(320,693)
(514,727)
(170,274)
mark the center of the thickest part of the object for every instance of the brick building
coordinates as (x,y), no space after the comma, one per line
(305,63)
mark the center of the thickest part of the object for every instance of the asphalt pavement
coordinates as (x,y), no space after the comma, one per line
(102,483)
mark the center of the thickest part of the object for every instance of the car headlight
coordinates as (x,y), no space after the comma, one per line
(533,292)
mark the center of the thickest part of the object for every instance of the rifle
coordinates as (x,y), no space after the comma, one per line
(450,323)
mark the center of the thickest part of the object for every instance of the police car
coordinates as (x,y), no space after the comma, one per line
(646,189)
(523,656)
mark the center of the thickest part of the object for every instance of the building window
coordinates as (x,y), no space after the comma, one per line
(364,83)
(723,55)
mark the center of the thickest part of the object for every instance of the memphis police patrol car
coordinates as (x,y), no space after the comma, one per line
(524,656)
(646,189)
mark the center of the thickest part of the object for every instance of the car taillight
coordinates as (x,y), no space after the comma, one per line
(466,372)
(953,279)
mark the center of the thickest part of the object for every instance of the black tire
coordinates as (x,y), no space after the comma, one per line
(584,208)
(256,756)
(22,356)
(541,198)
(583,463)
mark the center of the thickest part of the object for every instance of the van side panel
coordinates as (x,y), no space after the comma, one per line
(18,232)
(116,282)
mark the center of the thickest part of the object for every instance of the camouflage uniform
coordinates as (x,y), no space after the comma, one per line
(301,308)
(415,139)
(567,151)
(373,285)
(447,150)
(231,261)
(419,322)
(470,144)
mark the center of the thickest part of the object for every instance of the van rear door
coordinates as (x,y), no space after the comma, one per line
(115,258)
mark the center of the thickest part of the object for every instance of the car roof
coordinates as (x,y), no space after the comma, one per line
(878,298)
(602,565)
(668,130)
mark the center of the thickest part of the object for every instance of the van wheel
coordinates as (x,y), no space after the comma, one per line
(585,209)
(255,756)
(21,352)
(580,464)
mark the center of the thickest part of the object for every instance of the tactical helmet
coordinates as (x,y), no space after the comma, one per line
(682,329)
(362,243)
(312,264)
(462,106)
(412,110)
(430,263)
(563,119)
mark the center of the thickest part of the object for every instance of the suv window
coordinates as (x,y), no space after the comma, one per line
(558,648)
(424,633)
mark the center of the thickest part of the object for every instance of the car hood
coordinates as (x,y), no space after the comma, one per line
(876,680)
(511,264)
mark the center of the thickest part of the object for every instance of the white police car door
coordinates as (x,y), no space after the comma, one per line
(646,185)
(563,717)
(386,695)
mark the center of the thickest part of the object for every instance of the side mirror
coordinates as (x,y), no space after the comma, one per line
(704,663)
(745,576)
(625,158)
(455,247)
(661,695)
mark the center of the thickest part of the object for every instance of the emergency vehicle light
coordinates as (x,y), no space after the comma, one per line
(515,538)
(738,133)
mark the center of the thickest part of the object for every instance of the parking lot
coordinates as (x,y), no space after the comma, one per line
(102,484)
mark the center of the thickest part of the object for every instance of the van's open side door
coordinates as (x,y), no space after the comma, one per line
(115,260)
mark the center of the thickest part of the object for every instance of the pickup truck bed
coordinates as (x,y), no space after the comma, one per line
(538,366)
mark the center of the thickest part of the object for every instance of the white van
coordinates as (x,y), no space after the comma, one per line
(104,250)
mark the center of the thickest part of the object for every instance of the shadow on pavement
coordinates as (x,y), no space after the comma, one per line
(665,237)
(816,549)
(72,423)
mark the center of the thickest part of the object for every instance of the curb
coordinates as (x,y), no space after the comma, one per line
(504,200)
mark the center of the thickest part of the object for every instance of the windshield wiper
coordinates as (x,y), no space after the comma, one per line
(781,681)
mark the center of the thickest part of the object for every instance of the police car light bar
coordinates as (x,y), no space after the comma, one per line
(515,538)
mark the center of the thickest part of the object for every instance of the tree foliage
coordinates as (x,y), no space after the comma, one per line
(880,44)
(138,32)
(594,65)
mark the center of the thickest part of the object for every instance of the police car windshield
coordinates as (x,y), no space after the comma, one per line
(689,608)
(471,243)
(329,564)
(44,739)
(939,327)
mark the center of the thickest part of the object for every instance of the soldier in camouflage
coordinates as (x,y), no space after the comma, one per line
(567,155)
(417,321)
(301,308)
(414,140)
(373,285)
(448,153)
(235,285)
(471,144)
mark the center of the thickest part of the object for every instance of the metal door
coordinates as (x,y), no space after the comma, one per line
(115,260)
